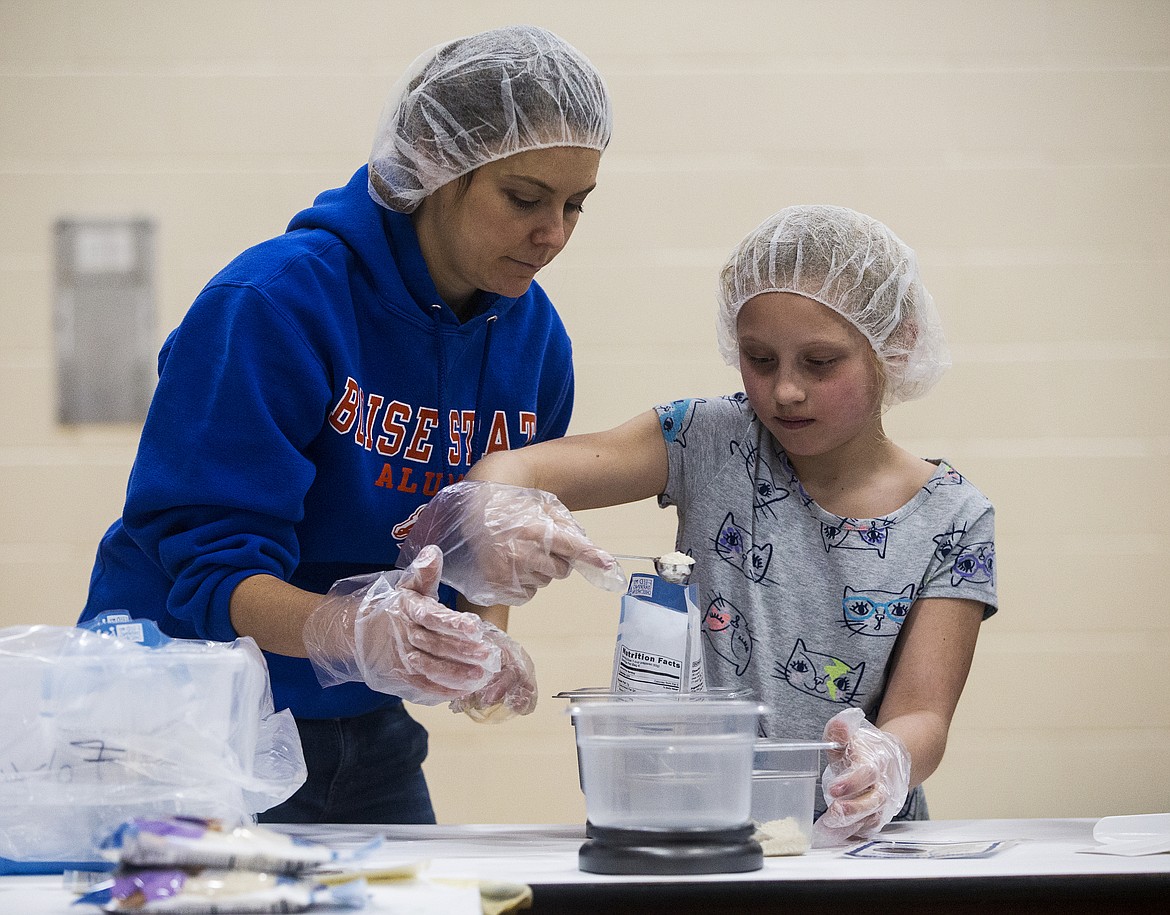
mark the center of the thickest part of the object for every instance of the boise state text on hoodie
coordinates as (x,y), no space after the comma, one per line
(316,395)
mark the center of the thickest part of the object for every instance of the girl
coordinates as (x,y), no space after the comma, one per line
(843,578)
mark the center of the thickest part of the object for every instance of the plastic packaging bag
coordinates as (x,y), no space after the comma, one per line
(212,892)
(96,730)
(193,843)
(659,643)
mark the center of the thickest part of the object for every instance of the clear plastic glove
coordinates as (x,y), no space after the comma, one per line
(389,631)
(511,692)
(865,783)
(502,543)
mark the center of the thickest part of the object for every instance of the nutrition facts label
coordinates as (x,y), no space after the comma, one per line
(639,670)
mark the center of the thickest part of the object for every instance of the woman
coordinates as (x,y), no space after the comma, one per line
(328,382)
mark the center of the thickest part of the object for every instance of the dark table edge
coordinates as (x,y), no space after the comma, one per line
(1031,893)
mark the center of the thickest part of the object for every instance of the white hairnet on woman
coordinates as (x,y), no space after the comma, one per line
(854,265)
(481,98)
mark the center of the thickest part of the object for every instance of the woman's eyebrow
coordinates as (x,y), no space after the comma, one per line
(544,186)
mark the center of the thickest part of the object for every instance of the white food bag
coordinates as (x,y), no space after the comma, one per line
(659,638)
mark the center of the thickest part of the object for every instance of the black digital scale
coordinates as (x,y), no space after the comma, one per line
(669,851)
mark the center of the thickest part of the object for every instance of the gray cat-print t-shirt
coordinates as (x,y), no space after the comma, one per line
(801,606)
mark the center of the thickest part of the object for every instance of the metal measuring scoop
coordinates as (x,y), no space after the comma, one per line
(677,573)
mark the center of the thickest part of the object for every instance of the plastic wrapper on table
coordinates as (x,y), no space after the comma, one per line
(96,730)
(210,892)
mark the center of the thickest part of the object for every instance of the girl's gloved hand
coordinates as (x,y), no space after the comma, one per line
(389,631)
(865,783)
(502,543)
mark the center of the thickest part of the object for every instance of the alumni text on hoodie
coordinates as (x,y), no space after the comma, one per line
(316,395)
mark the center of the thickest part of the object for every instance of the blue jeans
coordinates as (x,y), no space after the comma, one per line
(366,769)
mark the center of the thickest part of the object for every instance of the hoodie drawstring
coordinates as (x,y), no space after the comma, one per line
(441,359)
(481,424)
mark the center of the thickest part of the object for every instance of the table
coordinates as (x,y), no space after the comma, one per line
(1042,871)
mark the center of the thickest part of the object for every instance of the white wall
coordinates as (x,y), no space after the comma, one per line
(1022,147)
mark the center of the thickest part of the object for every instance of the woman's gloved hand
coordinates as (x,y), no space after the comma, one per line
(389,631)
(502,543)
(865,783)
(511,692)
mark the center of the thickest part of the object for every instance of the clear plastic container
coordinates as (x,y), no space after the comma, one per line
(95,730)
(678,762)
(605,694)
(784,784)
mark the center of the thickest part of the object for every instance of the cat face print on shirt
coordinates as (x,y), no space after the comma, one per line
(727,632)
(949,477)
(767,493)
(946,544)
(675,418)
(975,563)
(734,545)
(874,612)
(850,534)
(821,675)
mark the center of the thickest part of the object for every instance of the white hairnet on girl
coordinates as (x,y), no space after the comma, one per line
(854,265)
(481,98)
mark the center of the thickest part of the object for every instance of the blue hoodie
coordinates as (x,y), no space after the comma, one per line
(316,395)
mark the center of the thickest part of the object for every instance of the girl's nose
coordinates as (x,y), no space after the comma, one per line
(788,389)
